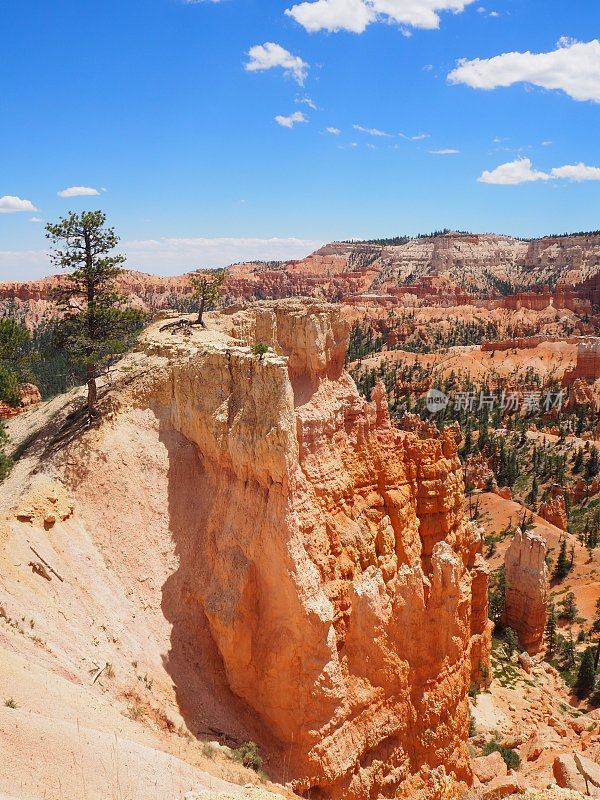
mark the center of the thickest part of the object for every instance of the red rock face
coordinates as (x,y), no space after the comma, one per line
(587,367)
(341,581)
(553,510)
(526,589)
(478,473)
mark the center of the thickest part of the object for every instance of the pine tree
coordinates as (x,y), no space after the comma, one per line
(533,492)
(561,568)
(206,289)
(551,630)
(511,640)
(586,675)
(569,650)
(14,357)
(497,596)
(95,326)
(569,607)
(592,466)
(595,629)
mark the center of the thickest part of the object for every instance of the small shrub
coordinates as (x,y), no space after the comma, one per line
(509,756)
(472,726)
(474,689)
(247,753)
(208,750)
(10,703)
(259,349)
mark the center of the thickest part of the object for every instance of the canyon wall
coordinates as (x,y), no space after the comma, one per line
(330,553)
(446,269)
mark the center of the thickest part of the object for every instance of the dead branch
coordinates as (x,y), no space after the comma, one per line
(47,565)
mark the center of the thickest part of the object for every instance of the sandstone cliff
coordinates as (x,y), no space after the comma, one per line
(526,589)
(289,565)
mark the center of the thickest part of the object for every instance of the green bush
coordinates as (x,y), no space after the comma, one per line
(510,756)
(247,753)
(260,348)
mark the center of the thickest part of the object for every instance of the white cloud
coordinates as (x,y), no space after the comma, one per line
(21,265)
(36,219)
(177,255)
(574,67)
(307,101)
(78,191)
(356,15)
(9,204)
(521,171)
(512,173)
(547,143)
(445,151)
(371,131)
(577,172)
(418,138)
(272,56)
(333,131)
(289,122)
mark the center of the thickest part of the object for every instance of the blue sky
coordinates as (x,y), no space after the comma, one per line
(151,104)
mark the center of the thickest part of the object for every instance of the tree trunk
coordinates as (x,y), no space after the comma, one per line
(92,396)
(199,321)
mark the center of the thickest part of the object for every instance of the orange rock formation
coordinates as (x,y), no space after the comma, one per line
(343,586)
(526,588)
(553,510)
(588,361)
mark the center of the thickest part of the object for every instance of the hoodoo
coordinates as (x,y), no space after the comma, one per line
(526,588)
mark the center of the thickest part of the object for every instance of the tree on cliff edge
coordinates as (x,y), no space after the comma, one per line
(95,326)
(206,289)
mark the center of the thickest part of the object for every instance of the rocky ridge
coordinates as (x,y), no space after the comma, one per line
(447,269)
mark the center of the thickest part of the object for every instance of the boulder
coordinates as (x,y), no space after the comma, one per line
(486,768)
(567,775)
(589,769)
(503,787)
(526,661)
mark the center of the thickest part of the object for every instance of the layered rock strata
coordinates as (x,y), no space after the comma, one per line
(342,584)
(526,588)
